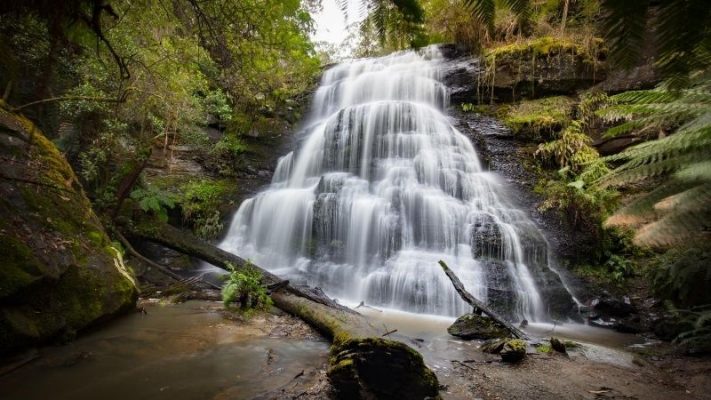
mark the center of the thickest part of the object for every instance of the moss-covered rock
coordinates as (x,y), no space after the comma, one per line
(375,368)
(543,66)
(493,346)
(472,326)
(558,345)
(537,120)
(513,351)
(58,272)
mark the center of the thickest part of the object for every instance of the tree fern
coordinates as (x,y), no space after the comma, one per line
(682,34)
(680,205)
(390,18)
(485,10)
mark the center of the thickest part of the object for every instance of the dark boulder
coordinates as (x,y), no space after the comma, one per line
(612,307)
(558,345)
(472,326)
(375,368)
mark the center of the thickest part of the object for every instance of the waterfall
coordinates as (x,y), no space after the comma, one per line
(380,189)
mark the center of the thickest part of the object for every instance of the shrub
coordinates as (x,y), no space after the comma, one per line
(683,276)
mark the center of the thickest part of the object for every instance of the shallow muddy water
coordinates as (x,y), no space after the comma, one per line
(428,333)
(183,351)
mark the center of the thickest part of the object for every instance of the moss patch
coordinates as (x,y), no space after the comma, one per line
(471,326)
(538,119)
(544,46)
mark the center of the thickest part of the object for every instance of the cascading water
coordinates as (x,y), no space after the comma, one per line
(383,187)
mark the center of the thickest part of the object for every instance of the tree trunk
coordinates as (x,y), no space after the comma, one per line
(129,181)
(566,5)
(479,307)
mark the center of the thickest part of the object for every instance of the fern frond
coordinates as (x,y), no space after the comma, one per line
(645,96)
(634,171)
(484,10)
(624,23)
(644,205)
(682,34)
(676,227)
(698,172)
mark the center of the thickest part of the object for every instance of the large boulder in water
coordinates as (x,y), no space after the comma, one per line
(59,272)
(472,326)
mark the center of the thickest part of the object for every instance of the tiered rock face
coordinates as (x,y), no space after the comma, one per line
(59,272)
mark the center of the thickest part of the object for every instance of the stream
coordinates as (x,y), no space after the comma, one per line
(176,351)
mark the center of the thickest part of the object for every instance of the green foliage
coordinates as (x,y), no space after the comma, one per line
(244,286)
(229,145)
(148,75)
(619,268)
(571,150)
(390,25)
(544,348)
(534,119)
(682,275)
(677,160)
(485,10)
(199,202)
(154,201)
(453,22)
(697,340)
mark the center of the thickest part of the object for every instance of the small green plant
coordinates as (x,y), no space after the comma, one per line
(619,268)
(544,348)
(244,286)
(468,107)
(154,201)
(199,203)
(229,145)
(571,149)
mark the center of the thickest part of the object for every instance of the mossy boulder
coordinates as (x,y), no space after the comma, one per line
(513,351)
(543,66)
(59,272)
(375,368)
(558,345)
(472,326)
(493,346)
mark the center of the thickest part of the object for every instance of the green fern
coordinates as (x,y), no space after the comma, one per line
(572,149)
(678,159)
(244,286)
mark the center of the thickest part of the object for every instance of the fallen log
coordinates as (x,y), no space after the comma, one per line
(191,245)
(362,363)
(479,307)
